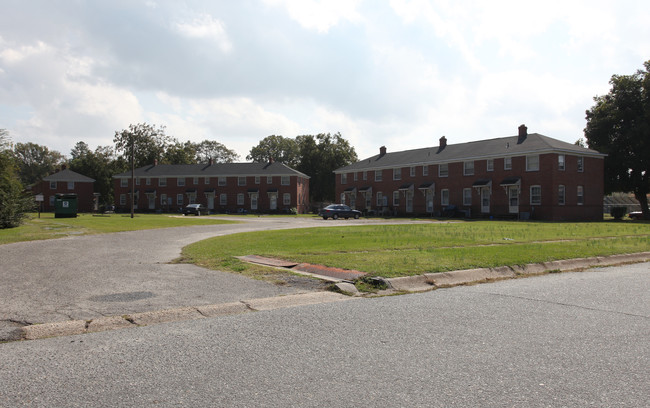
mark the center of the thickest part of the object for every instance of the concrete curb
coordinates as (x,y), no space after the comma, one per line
(429,281)
(73,327)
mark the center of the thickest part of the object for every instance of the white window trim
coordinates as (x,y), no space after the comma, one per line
(507,163)
(561,164)
(396,198)
(286,199)
(561,194)
(412,171)
(444,197)
(241,180)
(162,182)
(180,182)
(425,170)
(580,195)
(222,181)
(540,195)
(240,199)
(179,199)
(465,196)
(581,164)
(489,165)
(467,170)
(440,166)
(397,173)
(344,178)
(223,199)
(285,180)
(379,176)
(529,162)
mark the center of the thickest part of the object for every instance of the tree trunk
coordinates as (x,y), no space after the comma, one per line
(642,197)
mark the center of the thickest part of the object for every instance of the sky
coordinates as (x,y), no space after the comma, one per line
(399,73)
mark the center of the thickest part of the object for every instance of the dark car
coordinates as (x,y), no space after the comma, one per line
(196,209)
(336,211)
(636,215)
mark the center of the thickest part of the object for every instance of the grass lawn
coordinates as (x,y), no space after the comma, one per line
(403,250)
(48,227)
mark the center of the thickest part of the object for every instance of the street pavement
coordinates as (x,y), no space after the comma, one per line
(573,339)
(88,277)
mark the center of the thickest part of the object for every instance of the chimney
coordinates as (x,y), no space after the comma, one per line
(443,143)
(155,162)
(523,132)
(271,161)
(211,161)
(382,151)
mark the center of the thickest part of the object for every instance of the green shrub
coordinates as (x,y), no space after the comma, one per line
(618,212)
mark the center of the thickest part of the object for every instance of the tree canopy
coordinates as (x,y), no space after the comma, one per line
(14,202)
(281,149)
(619,125)
(148,142)
(36,161)
(100,165)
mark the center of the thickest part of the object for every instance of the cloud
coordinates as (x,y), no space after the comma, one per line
(320,15)
(206,26)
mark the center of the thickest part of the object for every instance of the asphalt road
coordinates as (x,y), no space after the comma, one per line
(560,340)
(86,277)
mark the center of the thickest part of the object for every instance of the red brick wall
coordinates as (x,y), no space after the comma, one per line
(298,189)
(84,193)
(548,177)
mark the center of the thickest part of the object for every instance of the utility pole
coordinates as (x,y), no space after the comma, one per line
(132,175)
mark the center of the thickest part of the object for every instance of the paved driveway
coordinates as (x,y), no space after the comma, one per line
(86,277)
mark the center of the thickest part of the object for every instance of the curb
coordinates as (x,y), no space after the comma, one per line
(430,281)
(73,327)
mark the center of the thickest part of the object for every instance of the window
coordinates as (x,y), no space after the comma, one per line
(380,199)
(444,197)
(222,181)
(560,162)
(162,182)
(397,174)
(468,168)
(532,163)
(269,179)
(123,183)
(147,181)
(223,199)
(535,195)
(179,199)
(396,198)
(365,175)
(489,165)
(53,184)
(412,171)
(241,180)
(122,199)
(137,181)
(285,180)
(581,164)
(286,199)
(443,170)
(195,181)
(467,196)
(257,179)
(240,199)
(425,170)
(507,163)
(163,199)
(378,175)
(342,199)
(191,198)
(180,182)
(206,180)
(344,178)
(581,195)
(561,195)
(356,176)
(70,185)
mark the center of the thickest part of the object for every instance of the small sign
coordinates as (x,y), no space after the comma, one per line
(39,197)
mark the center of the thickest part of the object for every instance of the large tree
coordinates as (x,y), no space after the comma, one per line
(619,125)
(211,149)
(36,161)
(319,157)
(281,149)
(147,142)
(14,202)
(99,165)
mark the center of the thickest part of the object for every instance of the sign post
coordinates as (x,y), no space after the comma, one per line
(39,199)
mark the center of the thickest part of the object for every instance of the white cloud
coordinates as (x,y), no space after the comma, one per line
(205,26)
(320,15)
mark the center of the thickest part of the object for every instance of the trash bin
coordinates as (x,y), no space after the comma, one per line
(65,206)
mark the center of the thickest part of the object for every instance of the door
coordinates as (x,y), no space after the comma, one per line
(273,205)
(485,199)
(152,201)
(409,201)
(429,198)
(210,198)
(513,199)
(254,202)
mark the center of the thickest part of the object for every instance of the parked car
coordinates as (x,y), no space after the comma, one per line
(196,209)
(636,215)
(336,211)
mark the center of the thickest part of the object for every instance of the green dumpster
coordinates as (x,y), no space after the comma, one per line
(65,205)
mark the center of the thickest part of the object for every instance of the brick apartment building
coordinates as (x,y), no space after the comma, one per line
(230,187)
(66,181)
(523,176)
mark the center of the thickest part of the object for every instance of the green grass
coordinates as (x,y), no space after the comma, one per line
(402,250)
(47,226)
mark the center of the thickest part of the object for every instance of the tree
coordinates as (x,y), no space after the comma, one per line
(14,202)
(180,153)
(149,143)
(99,165)
(211,149)
(619,125)
(281,149)
(319,157)
(36,161)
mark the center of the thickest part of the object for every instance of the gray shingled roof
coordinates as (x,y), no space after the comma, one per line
(68,175)
(482,149)
(214,170)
